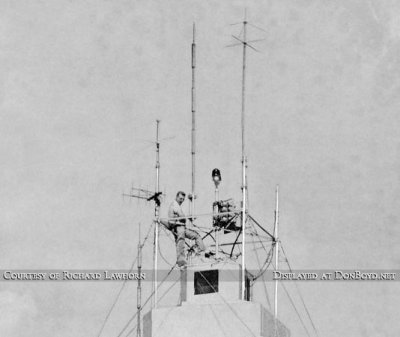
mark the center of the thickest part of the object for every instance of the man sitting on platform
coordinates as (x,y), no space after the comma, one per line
(178,228)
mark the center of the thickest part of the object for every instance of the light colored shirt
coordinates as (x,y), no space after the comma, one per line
(175,211)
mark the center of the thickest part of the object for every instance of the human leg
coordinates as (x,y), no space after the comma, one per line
(180,245)
(193,235)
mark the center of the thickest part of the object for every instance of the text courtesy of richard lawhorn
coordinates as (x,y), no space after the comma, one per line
(336,275)
(71,275)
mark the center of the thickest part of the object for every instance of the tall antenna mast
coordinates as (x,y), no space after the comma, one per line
(140,193)
(157,217)
(244,183)
(193,194)
(139,285)
(243,41)
(276,236)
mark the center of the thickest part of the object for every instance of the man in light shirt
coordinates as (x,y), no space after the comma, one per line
(178,228)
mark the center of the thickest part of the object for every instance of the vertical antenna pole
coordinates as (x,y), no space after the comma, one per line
(157,216)
(244,85)
(139,286)
(276,235)
(216,229)
(244,184)
(192,208)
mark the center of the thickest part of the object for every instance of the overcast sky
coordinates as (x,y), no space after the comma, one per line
(81,85)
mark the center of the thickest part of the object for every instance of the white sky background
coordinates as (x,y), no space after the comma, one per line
(81,85)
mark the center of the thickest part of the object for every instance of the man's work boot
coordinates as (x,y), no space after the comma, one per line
(209,254)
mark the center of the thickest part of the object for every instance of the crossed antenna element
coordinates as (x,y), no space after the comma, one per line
(242,37)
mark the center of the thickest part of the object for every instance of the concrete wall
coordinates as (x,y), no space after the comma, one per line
(233,319)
